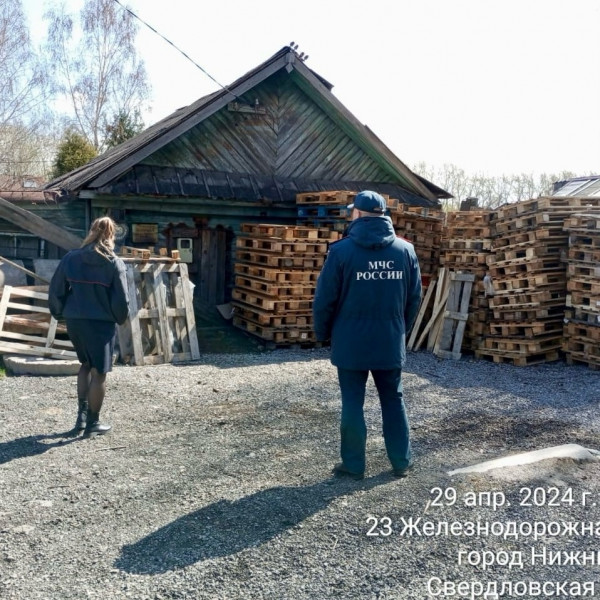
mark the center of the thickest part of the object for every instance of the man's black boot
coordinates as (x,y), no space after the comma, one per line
(93,426)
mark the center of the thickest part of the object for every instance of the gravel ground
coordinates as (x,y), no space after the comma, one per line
(215,483)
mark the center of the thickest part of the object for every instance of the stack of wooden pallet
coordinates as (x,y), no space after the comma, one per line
(582,323)
(529,278)
(466,244)
(422,227)
(276,272)
(327,210)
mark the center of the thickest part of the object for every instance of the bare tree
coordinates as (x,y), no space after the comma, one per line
(101,73)
(23,94)
(492,192)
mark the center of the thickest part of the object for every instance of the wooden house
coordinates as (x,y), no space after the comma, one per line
(240,154)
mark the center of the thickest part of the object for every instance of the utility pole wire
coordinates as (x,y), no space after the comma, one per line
(172,44)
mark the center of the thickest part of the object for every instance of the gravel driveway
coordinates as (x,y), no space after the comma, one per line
(215,484)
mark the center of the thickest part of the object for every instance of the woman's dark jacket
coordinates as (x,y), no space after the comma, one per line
(88,285)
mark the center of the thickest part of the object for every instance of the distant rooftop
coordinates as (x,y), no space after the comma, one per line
(582,187)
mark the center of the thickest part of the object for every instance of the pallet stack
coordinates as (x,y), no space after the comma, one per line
(466,244)
(327,210)
(276,273)
(529,277)
(582,322)
(422,227)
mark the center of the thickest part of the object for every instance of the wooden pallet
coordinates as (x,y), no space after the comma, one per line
(337,226)
(529,251)
(583,255)
(275,275)
(161,327)
(270,303)
(270,319)
(528,314)
(522,346)
(419,211)
(470,259)
(534,235)
(300,248)
(276,260)
(525,329)
(276,290)
(289,233)
(528,299)
(583,314)
(279,335)
(23,301)
(474,244)
(449,343)
(587,286)
(583,270)
(408,222)
(323,212)
(586,331)
(518,360)
(469,218)
(573,358)
(530,282)
(341,197)
(582,241)
(584,222)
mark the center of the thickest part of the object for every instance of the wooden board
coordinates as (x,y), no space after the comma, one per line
(450,340)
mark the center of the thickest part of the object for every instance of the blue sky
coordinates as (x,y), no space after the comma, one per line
(492,86)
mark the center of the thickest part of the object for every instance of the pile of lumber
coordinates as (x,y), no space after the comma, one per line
(582,322)
(422,227)
(466,244)
(529,278)
(161,327)
(276,271)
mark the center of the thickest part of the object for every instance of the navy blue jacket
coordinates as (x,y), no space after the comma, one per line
(367,297)
(87,285)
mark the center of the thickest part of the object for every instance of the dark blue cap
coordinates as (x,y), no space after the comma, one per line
(370,202)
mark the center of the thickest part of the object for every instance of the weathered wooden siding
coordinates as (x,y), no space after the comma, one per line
(293,138)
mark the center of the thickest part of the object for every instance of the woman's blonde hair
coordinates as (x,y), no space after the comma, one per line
(102,235)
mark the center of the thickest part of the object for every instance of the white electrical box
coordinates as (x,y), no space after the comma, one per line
(186,249)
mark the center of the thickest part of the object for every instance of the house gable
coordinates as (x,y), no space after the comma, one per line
(275,129)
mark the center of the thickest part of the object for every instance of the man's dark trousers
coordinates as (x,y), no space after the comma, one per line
(353,428)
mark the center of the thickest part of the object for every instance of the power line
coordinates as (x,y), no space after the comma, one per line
(174,46)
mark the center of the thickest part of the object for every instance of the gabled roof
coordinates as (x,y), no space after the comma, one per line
(117,161)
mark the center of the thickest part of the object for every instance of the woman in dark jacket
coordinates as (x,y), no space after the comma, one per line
(89,291)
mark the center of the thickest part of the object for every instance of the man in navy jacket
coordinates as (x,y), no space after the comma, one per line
(367,298)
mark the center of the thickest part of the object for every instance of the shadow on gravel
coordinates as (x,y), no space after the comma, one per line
(224,528)
(32,445)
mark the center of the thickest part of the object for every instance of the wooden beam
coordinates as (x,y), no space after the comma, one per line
(17,266)
(29,221)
